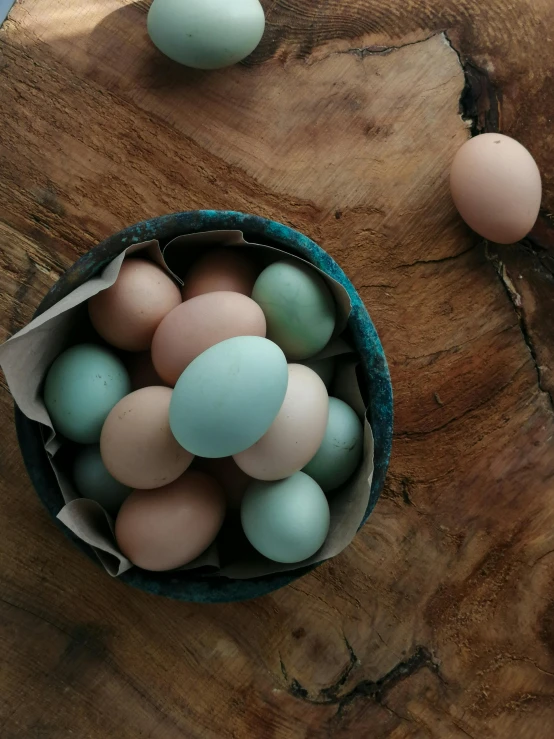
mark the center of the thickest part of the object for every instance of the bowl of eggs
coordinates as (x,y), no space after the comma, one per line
(187,412)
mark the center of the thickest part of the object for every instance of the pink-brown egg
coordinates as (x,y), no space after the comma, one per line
(297,432)
(229,475)
(169,527)
(127,314)
(220,269)
(496,187)
(136,443)
(198,324)
(142,372)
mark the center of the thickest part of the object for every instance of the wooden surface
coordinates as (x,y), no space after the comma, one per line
(439,620)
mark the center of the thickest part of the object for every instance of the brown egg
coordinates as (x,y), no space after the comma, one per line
(142,371)
(220,269)
(496,187)
(297,432)
(227,473)
(198,324)
(127,313)
(136,443)
(169,527)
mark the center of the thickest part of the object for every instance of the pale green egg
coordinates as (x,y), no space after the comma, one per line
(93,481)
(82,386)
(229,396)
(341,449)
(287,520)
(298,307)
(206,34)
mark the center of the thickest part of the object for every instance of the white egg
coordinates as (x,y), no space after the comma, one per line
(206,34)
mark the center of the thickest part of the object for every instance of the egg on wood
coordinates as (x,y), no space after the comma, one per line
(206,34)
(496,187)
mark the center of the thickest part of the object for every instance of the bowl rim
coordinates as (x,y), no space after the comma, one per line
(217,589)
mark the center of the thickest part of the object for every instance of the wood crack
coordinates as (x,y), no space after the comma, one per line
(374,690)
(448,258)
(479,104)
(363,51)
(515,300)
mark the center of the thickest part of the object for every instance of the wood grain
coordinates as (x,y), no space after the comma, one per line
(439,620)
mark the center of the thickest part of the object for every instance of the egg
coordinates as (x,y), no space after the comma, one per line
(137,445)
(325,368)
(198,324)
(496,187)
(93,481)
(297,432)
(220,269)
(228,474)
(127,313)
(206,34)
(341,449)
(229,396)
(169,527)
(288,520)
(142,371)
(298,306)
(81,388)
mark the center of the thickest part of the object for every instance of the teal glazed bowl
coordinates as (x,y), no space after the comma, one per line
(188,586)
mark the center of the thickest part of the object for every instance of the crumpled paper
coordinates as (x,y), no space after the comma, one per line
(27,356)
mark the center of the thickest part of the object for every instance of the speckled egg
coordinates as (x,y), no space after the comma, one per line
(82,386)
(341,450)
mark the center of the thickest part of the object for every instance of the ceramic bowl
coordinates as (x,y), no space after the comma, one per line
(188,586)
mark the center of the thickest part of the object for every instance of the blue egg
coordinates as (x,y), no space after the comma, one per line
(341,449)
(93,480)
(229,396)
(287,520)
(82,386)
